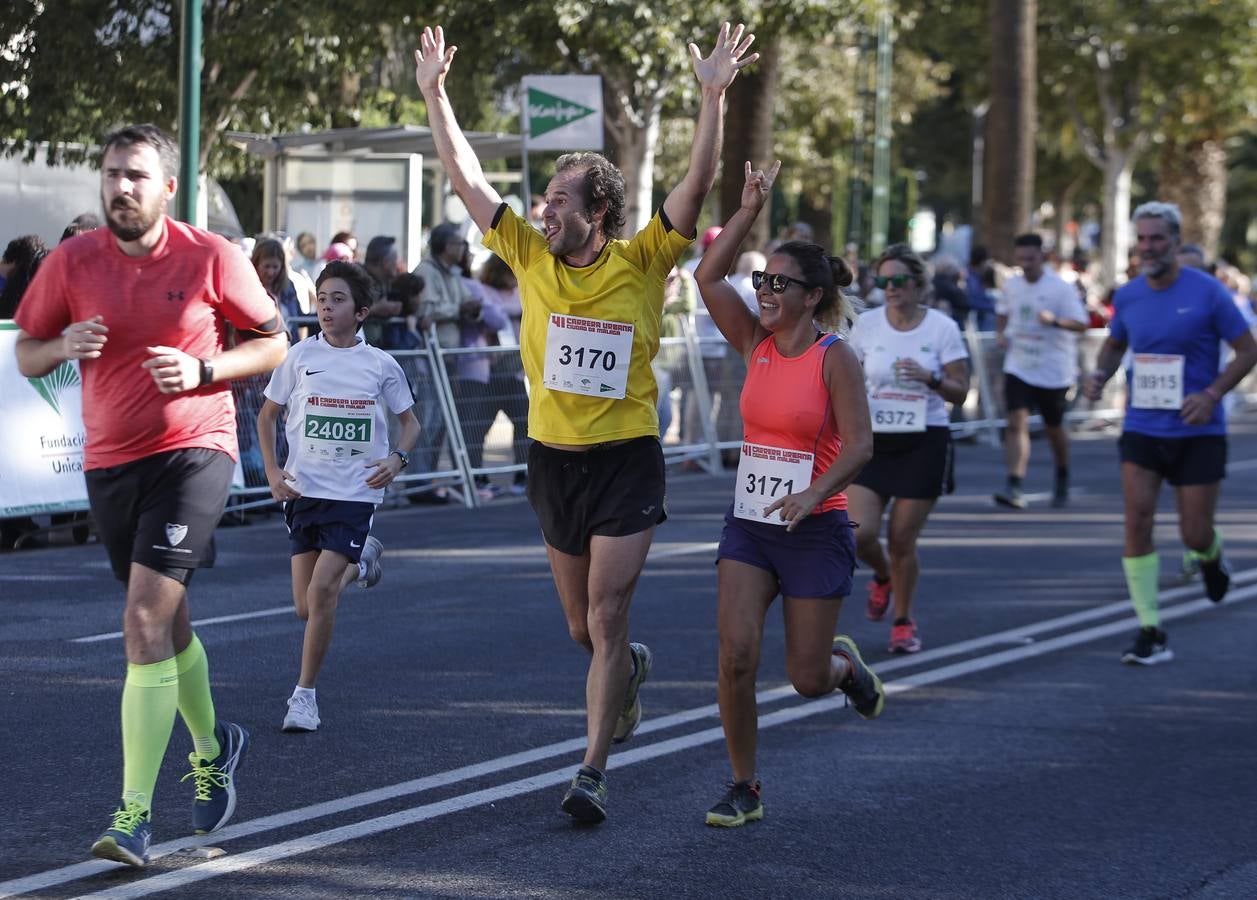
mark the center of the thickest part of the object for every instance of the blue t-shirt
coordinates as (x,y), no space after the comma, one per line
(1189,318)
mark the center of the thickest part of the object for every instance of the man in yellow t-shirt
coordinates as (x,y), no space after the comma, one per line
(592,306)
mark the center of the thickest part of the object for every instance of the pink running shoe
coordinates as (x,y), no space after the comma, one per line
(879,600)
(903,638)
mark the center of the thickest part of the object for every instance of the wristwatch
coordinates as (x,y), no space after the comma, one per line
(935,382)
(403,456)
(207,372)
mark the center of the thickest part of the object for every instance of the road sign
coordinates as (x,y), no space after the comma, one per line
(562,112)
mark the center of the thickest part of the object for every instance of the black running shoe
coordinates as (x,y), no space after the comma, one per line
(739,805)
(1150,648)
(586,798)
(1217,577)
(862,687)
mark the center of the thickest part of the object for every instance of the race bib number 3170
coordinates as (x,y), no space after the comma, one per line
(588,356)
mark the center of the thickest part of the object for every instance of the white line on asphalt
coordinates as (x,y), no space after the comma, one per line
(77,871)
(682,550)
(261,856)
(196,623)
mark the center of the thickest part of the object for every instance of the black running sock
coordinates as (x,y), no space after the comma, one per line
(591,772)
(1014,482)
(880,580)
(1062,474)
(903,621)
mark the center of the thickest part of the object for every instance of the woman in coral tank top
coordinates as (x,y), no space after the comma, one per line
(806,436)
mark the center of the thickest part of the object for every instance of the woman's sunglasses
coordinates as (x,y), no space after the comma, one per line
(777,283)
(897,280)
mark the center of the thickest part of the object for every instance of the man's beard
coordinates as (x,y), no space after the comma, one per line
(1154,268)
(143,219)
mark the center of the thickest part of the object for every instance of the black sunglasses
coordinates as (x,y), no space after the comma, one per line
(777,283)
(897,280)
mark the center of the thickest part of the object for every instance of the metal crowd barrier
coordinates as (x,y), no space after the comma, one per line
(475,430)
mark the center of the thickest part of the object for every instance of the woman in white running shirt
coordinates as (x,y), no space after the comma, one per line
(915,362)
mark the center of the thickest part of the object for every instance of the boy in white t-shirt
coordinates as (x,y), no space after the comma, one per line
(337,390)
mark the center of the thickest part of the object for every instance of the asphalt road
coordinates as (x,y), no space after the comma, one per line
(1016,756)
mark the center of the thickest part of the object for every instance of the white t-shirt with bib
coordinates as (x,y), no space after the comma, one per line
(1041,355)
(935,342)
(338,400)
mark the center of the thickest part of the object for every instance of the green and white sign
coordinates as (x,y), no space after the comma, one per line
(41,469)
(562,112)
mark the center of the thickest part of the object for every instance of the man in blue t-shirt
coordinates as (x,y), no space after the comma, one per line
(1173,320)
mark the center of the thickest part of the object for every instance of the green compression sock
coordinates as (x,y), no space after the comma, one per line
(1141,579)
(1215,549)
(149,699)
(196,704)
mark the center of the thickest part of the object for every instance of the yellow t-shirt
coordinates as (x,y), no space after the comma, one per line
(625,284)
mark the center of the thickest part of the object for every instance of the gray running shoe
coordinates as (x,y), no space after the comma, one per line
(631,714)
(1011,497)
(586,798)
(862,687)
(739,805)
(372,550)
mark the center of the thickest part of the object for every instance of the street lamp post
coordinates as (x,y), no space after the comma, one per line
(189,110)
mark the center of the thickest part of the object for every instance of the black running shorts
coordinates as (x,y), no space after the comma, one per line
(1180,461)
(918,466)
(339,525)
(610,491)
(161,510)
(1050,402)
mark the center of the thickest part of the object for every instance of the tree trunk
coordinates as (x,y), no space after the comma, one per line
(749,136)
(636,158)
(1115,224)
(1008,177)
(1194,176)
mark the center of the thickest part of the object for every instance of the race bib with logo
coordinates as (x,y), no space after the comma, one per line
(766,474)
(588,356)
(897,411)
(1157,382)
(1027,350)
(334,428)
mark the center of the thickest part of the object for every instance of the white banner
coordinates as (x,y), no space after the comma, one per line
(561,112)
(41,468)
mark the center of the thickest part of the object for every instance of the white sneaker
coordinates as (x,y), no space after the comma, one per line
(370,559)
(303,714)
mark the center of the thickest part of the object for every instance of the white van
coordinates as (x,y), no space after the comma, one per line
(36,198)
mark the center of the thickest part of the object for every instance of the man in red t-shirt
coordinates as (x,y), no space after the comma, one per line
(144,307)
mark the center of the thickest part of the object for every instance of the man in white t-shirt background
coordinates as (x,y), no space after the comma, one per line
(1037,324)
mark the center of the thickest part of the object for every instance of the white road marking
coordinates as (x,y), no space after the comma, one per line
(1000,639)
(319,840)
(671,551)
(196,623)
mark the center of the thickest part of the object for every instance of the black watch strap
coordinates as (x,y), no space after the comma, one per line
(403,456)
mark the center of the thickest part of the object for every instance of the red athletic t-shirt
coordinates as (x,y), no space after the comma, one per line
(181,295)
(785,404)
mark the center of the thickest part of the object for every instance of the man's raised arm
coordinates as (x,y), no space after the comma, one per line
(432,64)
(715,74)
